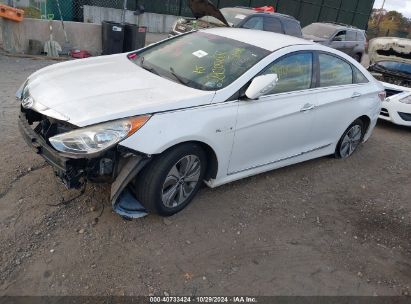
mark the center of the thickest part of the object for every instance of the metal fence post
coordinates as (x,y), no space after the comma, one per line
(321,10)
(123,14)
(355,12)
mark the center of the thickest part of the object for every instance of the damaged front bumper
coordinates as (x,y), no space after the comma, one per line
(118,166)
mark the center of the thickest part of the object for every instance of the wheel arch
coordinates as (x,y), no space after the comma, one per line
(212,160)
(367,122)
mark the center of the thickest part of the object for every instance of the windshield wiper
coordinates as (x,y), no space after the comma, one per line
(180,80)
(150,69)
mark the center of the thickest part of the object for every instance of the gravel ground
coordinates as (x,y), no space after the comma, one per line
(323,227)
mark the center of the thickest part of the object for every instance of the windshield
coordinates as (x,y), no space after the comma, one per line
(319,30)
(233,16)
(396,66)
(200,60)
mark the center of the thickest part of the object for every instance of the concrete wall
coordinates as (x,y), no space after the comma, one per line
(85,36)
(16,35)
(156,23)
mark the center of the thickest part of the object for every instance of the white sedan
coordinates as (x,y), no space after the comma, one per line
(396,108)
(216,106)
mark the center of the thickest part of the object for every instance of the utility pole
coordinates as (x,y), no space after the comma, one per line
(380,15)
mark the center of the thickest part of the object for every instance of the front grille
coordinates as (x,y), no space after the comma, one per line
(384,112)
(45,126)
(405,116)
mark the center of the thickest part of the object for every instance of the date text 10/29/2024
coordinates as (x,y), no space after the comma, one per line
(202,299)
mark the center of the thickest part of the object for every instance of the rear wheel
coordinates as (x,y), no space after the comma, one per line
(170,182)
(351,139)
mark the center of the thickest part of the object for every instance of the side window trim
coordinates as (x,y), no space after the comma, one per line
(316,68)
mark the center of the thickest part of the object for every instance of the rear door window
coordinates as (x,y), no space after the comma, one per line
(334,71)
(351,36)
(272,24)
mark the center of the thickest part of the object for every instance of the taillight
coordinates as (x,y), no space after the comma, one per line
(382,95)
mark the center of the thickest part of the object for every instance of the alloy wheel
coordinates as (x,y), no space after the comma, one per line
(351,141)
(181,181)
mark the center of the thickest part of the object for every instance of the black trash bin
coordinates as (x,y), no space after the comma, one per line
(113,37)
(134,37)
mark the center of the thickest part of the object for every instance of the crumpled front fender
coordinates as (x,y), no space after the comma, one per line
(122,199)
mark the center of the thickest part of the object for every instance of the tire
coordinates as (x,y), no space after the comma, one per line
(350,140)
(163,187)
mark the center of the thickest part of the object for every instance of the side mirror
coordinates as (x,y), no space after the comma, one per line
(261,85)
(337,38)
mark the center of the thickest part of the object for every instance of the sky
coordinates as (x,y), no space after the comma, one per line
(402,6)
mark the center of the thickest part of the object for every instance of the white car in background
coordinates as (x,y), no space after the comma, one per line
(396,108)
(216,105)
(391,63)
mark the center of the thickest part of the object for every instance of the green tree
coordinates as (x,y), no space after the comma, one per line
(392,24)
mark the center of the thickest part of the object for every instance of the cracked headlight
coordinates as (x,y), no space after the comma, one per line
(94,139)
(406,100)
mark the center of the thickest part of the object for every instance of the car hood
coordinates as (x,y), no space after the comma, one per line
(389,48)
(314,38)
(105,88)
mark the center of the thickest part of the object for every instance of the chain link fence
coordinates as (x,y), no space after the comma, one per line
(355,12)
(73,10)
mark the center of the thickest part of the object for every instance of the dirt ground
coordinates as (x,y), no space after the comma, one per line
(324,227)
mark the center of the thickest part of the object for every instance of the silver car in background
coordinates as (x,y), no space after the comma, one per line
(342,37)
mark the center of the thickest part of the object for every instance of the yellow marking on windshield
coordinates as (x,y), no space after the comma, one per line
(237,53)
(199,70)
(218,70)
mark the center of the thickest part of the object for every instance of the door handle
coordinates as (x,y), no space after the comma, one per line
(307,107)
(356,95)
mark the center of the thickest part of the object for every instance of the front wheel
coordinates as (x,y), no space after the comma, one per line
(170,182)
(351,139)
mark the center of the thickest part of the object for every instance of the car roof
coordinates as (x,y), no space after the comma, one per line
(339,26)
(251,11)
(262,39)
